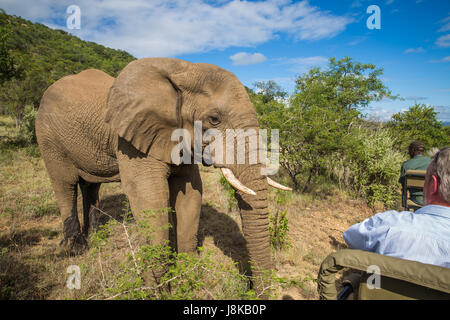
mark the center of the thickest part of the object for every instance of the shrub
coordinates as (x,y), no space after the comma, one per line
(279,224)
(420,123)
(230,192)
(374,165)
(155,271)
(27,128)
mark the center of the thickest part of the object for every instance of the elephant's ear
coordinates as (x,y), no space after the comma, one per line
(144,105)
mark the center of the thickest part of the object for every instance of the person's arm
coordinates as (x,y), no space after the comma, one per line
(368,234)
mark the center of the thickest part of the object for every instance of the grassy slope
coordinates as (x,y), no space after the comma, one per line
(32,267)
(58,52)
(45,55)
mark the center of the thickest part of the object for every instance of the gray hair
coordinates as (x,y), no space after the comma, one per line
(432,152)
(442,170)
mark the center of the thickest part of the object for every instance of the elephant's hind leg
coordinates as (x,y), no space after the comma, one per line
(89,192)
(64,180)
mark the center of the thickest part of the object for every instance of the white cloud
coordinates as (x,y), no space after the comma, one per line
(442,90)
(379,114)
(357,40)
(175,27)
(443,112)
(444,28)
(443,41)
(309,61)
(356,4)
(445,59)
(446,24)
(416,98)
(245,58)
(302,64)
(414,50)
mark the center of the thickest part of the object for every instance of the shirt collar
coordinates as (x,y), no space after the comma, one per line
(435,210)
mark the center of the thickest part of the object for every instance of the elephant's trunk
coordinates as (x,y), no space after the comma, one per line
(255,223)
(251,193)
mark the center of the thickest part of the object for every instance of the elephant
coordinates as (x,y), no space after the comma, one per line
(92,128)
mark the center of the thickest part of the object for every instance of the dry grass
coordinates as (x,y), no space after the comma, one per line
(32,266)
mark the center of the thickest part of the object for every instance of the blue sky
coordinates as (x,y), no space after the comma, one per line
(275,40)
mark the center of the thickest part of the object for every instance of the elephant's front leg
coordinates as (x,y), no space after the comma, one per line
(144,181)
(186,198)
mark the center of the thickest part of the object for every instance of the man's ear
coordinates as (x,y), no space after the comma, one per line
(434,184)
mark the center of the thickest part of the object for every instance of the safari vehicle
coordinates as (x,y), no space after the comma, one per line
(380,277)
(413,182)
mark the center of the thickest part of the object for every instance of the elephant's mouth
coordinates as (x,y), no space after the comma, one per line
(231,178)
(206,164)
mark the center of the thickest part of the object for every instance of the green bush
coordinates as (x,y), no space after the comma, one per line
(230,192)
(27,128)
(315,123)
(374,165)
(279,223)
(156,271)
(420,123)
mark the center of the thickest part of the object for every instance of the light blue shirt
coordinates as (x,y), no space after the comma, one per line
(422,236)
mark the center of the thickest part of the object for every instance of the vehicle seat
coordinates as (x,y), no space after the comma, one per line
(399,279)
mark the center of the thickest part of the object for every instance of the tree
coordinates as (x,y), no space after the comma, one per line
(373,165)
(6,62)
(25,90)
(314,126)
(344,85)
(8,70)
(269,91)
(419,122)
(33,56)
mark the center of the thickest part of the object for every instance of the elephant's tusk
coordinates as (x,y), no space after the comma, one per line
(231,178)
(277,185)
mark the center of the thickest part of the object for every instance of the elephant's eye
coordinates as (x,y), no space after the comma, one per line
(214,120)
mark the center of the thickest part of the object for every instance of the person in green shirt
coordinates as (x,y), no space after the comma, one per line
(417,162)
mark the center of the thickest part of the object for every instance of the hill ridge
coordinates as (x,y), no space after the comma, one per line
(45,55)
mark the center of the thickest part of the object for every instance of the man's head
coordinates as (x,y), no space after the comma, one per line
(437,181)
(416,148)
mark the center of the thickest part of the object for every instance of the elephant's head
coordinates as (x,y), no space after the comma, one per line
(152,97)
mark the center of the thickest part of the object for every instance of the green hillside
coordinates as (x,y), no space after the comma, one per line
(33,56)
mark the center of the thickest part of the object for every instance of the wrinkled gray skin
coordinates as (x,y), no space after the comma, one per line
(92,128)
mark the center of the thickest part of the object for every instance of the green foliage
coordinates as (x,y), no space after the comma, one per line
(33,56)
(373,165)
(343,85)
(230,192)
(279,224)
(418,123)
(323,136)
(100,239)
(278,229)
(316,123)
(269,91)
(7,68)
(27,128)
(155,271)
